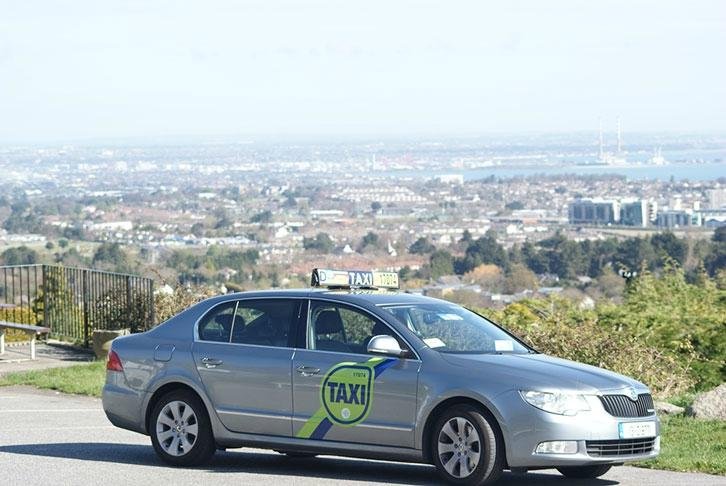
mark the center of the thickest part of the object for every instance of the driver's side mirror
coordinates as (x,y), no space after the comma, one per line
(386,345)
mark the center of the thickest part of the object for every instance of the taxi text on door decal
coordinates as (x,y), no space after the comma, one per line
(346,395)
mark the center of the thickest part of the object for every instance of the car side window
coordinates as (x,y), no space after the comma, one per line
(217,324)
(340,328)
(264,322)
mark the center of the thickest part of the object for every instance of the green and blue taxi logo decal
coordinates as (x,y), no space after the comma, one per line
(346,395)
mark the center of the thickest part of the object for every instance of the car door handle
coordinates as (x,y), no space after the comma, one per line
(307,370)
(211,362)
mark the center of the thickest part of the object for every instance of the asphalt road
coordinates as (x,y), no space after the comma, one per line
(47,438)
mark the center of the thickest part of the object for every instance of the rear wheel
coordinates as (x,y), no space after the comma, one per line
(465,447)
(584,472)
(180,430)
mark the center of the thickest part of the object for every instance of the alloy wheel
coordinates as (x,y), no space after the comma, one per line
(459,447)
(177,428)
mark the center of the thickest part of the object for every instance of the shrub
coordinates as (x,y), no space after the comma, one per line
(559,328)
(169,304)
(687,319)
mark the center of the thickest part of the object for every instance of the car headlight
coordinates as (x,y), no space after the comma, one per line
(559,403)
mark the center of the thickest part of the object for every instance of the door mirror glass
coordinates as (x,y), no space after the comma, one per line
(386,345)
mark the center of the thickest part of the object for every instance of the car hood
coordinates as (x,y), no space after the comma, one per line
(542,372)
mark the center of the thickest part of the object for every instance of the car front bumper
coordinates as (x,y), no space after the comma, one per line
(596,433)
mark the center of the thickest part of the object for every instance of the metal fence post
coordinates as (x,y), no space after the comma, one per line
(132,326)
(46,312)
(86,307)
(152,316)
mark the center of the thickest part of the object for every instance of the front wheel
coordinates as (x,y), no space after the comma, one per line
(584,472)
(181,432)
(465,447)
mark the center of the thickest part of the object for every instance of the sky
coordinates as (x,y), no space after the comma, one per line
(84,69)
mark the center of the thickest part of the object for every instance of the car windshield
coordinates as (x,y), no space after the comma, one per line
(449,328)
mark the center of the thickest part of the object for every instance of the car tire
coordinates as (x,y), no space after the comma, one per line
(180,430)
(466,448)
(584,472)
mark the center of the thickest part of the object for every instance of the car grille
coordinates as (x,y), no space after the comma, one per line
(622,406)
(622,447)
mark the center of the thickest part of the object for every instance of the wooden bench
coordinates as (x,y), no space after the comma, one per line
(29,329)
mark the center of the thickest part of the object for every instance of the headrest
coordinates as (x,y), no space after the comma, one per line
(224,320)
(328,322)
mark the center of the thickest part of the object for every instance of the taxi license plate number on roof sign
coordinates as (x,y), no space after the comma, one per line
(354,278)
(636,430)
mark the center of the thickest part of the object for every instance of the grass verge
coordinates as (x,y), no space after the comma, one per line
(82,379)
(687,444)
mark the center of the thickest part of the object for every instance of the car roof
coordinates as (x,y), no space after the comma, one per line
(359,296)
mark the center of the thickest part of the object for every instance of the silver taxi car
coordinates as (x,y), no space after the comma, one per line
(352,368)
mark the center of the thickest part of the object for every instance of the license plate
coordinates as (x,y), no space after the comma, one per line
(635,430)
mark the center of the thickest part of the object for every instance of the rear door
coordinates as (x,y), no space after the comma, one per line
(243,352)
(341,392)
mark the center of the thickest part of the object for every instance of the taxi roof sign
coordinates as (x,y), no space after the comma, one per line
(323,277)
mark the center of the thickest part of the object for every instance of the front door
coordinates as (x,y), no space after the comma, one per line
(243,352)
(342,393)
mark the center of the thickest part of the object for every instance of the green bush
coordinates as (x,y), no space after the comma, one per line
(668,333)
(559,328)
(167,305)
(686,319)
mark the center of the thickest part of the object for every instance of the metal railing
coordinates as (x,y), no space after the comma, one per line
(73,302)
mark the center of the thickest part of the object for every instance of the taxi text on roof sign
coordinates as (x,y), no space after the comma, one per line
(354,278)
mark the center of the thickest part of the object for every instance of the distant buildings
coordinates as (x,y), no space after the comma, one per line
(673,219)
(635,213)
(716,198)
(451,179)
(594,212)
(626,212)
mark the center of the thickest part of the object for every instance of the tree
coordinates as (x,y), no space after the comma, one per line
(483,250)
(262,217)
(667,245)
(669,313)
(715,261)
(23,219)
(322,243)
(370,240)
(290,202)
(376,206)
(514,205)
(534,259)
(405,273)
(442,263)
(111,255)
(487,275)
(421,246)
(198,229)
(21,255)
(635,253)
(519,278)
(223,223)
